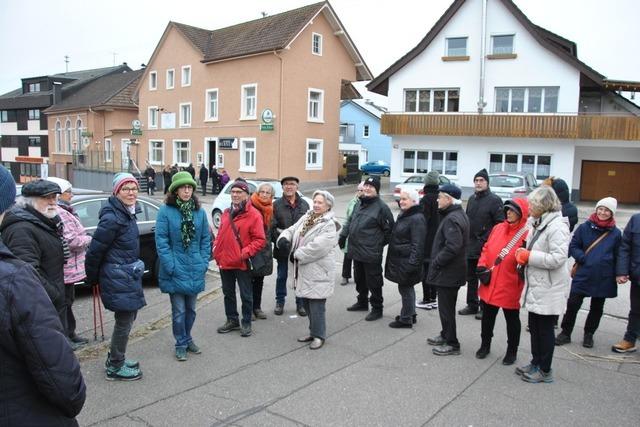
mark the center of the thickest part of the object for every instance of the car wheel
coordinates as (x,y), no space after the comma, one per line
(386,172)
(217,217)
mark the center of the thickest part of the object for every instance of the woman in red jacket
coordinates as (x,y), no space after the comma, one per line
(502,286)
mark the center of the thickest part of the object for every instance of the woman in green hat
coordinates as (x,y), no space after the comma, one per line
(183,241)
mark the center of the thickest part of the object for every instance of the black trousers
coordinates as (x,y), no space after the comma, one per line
(593,318)
(447,298)
(511,316)
(204,187)
(542,340)
(257,283)
(69,297)
(368,278)
(428,291)
(472,284)
(347,263)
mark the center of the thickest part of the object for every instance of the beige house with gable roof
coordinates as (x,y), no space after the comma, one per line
(260,99)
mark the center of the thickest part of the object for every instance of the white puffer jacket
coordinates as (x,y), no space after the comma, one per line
(313,274)
(547,280)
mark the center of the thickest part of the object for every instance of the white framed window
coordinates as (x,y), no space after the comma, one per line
(316,44)
(153,117)
(79,133)
(365,131)
(68,135)
(171,78)
(431,100)
(423,161)
(182,152)
(502,44)
(314,154)
(456,46)
(34,87)
(156,151)
(527,99)
(185,114)
(58,137)
(153,80)
(249,101)
(34,114)
(537,164)
(315,109)
(247,154)
(186,75)
(211,104)
(108,151)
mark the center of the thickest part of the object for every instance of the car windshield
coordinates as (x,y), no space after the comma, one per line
(415,179)
(507,181)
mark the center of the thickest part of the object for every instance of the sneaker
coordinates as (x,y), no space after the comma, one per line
(245,331)
(478,315)
(358,307)
(538,376)
(526,369)
(193,348)
(424,304)
(433,305)
(446,350)
(301,311)
(259,314)
(229,325)
(373,315)
(316,343)
(562,339)
(181,354)
(399,324)
(344,281)
(130,363)
(587,341)
(278,310)
(468,310)
(624,346)
(123,373)
(438,340)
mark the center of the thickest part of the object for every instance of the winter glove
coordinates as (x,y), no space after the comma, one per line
(291,258)
(342,241)
(522,256)
(483,274)
(284,245)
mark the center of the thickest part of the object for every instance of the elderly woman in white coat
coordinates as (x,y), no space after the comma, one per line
(312,262)
(547,282)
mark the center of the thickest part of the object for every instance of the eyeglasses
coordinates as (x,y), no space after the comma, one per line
(268,193)
(129,189)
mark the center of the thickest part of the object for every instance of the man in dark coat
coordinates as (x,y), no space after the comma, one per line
(448,266)
(484,210)
(32,230)
(429,205)
(204,177)
(369,230)
(41,382)
(150,174)
(287,210)
(215,180)
(191,170)
(564,194)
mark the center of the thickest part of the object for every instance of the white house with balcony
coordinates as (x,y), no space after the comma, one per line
(487,88)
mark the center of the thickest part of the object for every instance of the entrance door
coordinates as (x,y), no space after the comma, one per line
(615,179)
(211,152)
(124,153)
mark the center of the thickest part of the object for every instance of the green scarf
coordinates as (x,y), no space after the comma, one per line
(187,227)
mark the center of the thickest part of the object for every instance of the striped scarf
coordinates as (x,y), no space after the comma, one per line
(65,245)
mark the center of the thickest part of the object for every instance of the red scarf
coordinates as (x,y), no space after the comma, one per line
(608,224)
(265,208)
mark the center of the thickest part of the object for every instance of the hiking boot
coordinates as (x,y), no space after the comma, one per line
(563,339)
(483,351)
(587,340)
(414,319)
(245,331)
(193,348)
(538,376)
(344,281)
(358,307)
(521,370)
(437,340)
(399,324)
(123,373)
(301,311)
(259,314)
(478,315)
(229,325)
(373,315)
(624,346)
(181,354)
(278,310)
(78,339)
(468,310)
(130,363)
(446,350)
(510,357)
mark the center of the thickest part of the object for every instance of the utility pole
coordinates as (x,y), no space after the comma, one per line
(114,57)
(66,63)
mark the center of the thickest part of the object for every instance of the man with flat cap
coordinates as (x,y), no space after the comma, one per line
(287,210)
(33,231)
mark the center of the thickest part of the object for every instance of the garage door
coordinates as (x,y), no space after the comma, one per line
(615,179)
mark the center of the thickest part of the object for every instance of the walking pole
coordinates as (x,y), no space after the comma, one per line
(100,310)
(95,327)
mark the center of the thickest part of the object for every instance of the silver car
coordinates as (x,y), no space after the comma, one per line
(512,185)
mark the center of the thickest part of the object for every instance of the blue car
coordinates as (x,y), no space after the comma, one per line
(378,167)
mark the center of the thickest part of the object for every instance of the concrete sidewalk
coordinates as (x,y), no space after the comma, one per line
(366,374)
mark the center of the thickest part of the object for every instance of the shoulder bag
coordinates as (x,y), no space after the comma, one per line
(574,267)
(254,263)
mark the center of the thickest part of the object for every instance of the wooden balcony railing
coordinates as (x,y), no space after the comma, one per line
(514,126)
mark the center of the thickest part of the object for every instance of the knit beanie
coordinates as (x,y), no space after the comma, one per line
(120,179)
(7,189)
(609,203)
(373,181)
(432,178)
(482,174)
(241,184)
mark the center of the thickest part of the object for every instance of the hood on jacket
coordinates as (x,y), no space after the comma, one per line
(18,214)
(561,188)
(523,206)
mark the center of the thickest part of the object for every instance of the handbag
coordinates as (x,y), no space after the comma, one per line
(254,263)
(574,267)
(484,275)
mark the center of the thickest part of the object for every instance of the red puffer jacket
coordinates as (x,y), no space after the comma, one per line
(226,249)
(506,286)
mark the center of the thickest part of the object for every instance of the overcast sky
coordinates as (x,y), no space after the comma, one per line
(37,34)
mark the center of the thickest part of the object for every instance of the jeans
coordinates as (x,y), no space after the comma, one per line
(316,312)
(346,266)
(183,315)
(542,340)
(120,336)
(368,278)
(229,278)
(257,284)
(593,318)
(281,282)
(511,316)
(472,284)
(428,291)
(633,327)
(447,297)
(408,297)
(69,297)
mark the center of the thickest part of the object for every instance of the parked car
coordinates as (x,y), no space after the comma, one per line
(512,185)
(223,200)
(415,182)
(379,167)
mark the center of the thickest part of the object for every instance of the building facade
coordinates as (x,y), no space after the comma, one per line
(360,131)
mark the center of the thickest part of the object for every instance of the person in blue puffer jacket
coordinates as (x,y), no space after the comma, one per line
(113,261)
(183,241)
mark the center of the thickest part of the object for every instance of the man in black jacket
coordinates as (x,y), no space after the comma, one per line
(40,376)
(447,270)
(429,205)
(484,210)
(204,177)
(287,210)
(369,230)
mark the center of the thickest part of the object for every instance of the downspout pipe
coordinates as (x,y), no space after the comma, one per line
(483,55)
(279,117)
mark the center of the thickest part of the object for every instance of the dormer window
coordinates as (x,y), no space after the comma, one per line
(34,87)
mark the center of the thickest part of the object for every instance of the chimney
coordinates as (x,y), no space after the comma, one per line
(57,92)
